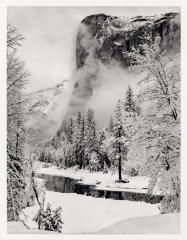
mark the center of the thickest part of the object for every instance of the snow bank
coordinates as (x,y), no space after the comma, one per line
(86,214)
(159,224)
(18,227)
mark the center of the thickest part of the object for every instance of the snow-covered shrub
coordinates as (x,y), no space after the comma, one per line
(131,170)
(170,204)
(48,219)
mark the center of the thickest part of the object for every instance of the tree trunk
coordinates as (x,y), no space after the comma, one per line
(119,149)
(119,169)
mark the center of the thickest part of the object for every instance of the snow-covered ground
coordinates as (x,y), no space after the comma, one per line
(86,214)
(158,224)
(19,228)
(106,181)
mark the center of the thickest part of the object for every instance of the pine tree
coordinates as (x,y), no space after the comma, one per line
(47,224)
(67,128)
(90,136)
(111,126)
(40,218)
(78,140)
(101,137)
(118,115)
(57,222)
(120,138)
(131,113)
(83,143)
(103,158)
(129,105)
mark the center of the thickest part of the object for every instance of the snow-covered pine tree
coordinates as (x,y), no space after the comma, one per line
(16,78)
(130,105)
(64,140)
(39,218)
(47,218)
(130,117)
(90,136)
(130,112)
(103,159)
(78,140)
(57,222)
(159,133)
(110,128)
(82,142)
(68,126)
(120,139)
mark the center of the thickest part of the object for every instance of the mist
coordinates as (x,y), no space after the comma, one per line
(99,85)
(114,81)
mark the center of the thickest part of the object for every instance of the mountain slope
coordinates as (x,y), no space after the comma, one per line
(46,109)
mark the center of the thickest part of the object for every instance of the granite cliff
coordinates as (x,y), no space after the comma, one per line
(103,41)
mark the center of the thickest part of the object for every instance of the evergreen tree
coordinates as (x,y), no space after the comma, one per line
(118,120)
(131,114)
(47,223)
(103,159)
(83,143)
(78,140)
(40,218)
(130,106)
(111,126)
(120,139)
(68,126)
(90,136)
(101,137)
(118,114)
(57,222)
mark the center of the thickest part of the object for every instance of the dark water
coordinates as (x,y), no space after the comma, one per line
(69,185)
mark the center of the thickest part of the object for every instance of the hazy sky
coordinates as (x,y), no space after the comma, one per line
(50,33)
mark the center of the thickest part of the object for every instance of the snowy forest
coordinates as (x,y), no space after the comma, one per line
(136,153)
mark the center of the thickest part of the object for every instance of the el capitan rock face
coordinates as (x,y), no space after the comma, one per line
(105,40)
(113,36)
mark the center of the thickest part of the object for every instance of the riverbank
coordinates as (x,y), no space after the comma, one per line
(101,181)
